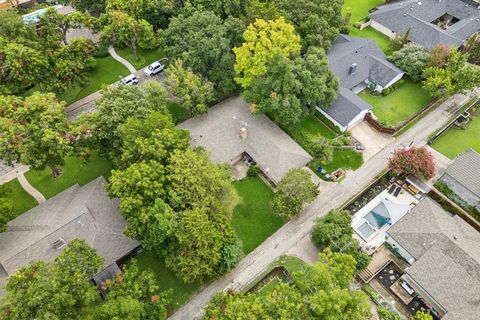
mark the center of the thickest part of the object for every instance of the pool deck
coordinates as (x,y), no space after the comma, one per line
(377,238)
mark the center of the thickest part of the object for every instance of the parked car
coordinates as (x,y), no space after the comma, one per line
(130,80)
(154,68)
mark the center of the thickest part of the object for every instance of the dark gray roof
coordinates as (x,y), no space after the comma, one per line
(466,170)
(266,143)
(448,257)
(76,213)
(347,106)
(371,62)
(418,16)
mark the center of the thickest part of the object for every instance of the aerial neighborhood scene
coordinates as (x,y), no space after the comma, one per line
(240,159)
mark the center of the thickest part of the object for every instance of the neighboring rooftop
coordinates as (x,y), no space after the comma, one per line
(466,171)
(218,132)
(77,213)
(447,254)
(356,61)
(431,22)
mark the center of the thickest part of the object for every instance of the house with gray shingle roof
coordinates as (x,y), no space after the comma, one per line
(463,177)
(229,131)
(431,22)
(77,213)
(444,255)
(357,62)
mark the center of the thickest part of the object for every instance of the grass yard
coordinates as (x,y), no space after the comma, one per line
(178,113)
(342,158)
(359,8)
(456,141)
(382,40)
(311,126)
(22,201)
(400,105)
(145,56)
(166,279)
(74,171)
(107,71)
(253,218)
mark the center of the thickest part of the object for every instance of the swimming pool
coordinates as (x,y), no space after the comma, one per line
(34,17)
(374,220)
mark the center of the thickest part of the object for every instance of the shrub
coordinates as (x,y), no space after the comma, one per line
(386,314)
(253,171)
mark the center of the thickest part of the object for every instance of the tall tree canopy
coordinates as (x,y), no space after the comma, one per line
(168,191)
(34,131)
(204,43)
(56,290)
(412,59)
(222,8)
(318,22)
(263,40)
(320,291)
(114,109)
(294,191)
(417,161)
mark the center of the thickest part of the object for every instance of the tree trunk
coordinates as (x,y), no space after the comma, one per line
(56,172)
(133,46)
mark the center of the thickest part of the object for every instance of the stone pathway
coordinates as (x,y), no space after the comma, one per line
(29,188)
(127,64)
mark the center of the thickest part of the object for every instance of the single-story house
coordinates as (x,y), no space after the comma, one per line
(229,131)
(431,22)
(77,213)
(358,63)
(444,256)
(463,177)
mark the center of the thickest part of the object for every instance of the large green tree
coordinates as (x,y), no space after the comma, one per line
(294,191)
(222,8)
(57,290)
(204,43)
(318,22)
(292,87)
(34,131)
(319,291)
(6,207)
(455,77)
(194,93)
(263,40)
(114,108)
(122,29)
(412,59)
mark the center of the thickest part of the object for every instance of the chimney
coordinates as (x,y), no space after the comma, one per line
(352,69)
(243,133)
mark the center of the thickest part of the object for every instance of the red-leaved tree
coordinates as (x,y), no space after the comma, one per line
(417,161)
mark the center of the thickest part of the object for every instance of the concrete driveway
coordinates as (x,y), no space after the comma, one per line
(373,140)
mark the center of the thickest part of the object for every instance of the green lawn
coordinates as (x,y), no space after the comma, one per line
(166,279)
(106,71)
(342,158)
(400,105)
(74,171)
(178,113)
(312,126)
(145,56)
(22,201)
(359,8)
(253,218)
(456,141)
(382,40)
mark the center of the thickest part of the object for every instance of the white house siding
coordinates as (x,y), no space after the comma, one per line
(357,119)
(342,128)
(377,26)
(397,78)
(404,253)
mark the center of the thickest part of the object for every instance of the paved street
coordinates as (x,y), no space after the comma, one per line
(292,232)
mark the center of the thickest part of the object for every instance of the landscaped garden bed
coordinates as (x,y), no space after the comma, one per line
(374,190)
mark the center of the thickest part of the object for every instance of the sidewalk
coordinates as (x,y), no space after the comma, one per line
(30,189)
(123,61)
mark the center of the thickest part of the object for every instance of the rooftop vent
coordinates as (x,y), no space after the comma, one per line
(352,69)
(243,133)
(59,243)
